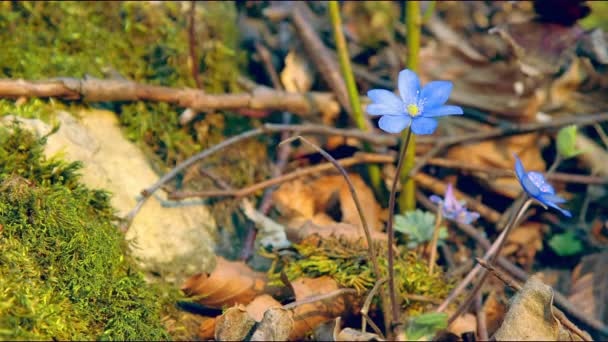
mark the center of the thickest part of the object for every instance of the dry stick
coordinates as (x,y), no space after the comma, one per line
(313,299)
(560,299)
(433,255)
(482,326)
(391,235)
(557,313)
(192,45)
(368,236)
(96,90)
(365,309)
(358,158)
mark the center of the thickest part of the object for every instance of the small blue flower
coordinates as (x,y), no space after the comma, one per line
(454,209)
(537,187)
(416,107)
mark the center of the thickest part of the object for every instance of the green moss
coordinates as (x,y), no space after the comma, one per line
(347,264)
(64,270)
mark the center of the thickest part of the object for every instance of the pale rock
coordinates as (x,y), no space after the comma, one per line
(174,241)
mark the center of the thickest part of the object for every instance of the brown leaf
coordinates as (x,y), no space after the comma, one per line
(495,313)
(300,201)
(463,324)
(308,316)
(589,290)
(530,316)
(230,283)
(524,241)
(234,325)
(206,331)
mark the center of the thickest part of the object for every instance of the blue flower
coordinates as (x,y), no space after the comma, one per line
(537,187)
(416,107)
(454,209)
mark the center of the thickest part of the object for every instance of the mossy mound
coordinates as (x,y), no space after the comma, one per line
(64,268)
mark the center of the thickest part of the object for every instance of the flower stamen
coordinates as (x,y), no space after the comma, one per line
(413,110)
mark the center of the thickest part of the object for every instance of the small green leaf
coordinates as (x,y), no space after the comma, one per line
(566,142)
(426,325)
(566,244)
(418,226)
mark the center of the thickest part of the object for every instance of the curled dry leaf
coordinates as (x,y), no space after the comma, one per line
(230,283)
(313,200)
(530,316)
(589,291)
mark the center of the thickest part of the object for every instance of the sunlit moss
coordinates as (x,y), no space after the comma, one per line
(347,263)
(64,270)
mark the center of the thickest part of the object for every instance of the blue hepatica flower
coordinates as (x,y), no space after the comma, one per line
(454,209)
(537,187)
(415,106)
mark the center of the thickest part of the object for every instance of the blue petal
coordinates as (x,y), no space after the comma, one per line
(409,86)
(384,102)
(547,197)
(436,199)
(530,187)
(422,125)
(563,211)
(382,109)
(394,124)
(436,93)
(442,111)
(519,168)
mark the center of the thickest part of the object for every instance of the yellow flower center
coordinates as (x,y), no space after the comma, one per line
(412,110)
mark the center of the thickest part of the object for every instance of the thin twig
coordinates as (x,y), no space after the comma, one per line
(365,308)
(332,294)
(513,284)
(391,234)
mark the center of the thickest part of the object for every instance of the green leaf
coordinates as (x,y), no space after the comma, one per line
(566,244)
(426,325)
(566,142)
(418,225)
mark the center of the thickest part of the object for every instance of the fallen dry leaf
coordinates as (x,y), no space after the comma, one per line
(230,283)
(495,313)
(589,291)
(300,200)
(524,241)
(206,331)
(350,334)
(297,233)
(257,307)
(530,316)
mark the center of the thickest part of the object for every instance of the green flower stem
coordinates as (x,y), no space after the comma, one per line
(390,231)
(407,200)
(351,86)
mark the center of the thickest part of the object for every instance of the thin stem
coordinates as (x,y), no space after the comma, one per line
(391,232)
(407,198)
(491,256)
(351,87)
(435,239)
